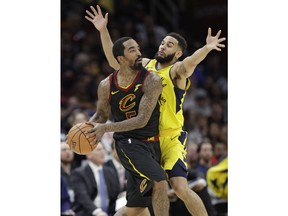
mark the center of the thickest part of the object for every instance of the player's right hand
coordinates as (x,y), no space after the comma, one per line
(97,131)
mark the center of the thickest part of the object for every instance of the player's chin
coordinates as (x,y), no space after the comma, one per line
(138,65)
(159,57)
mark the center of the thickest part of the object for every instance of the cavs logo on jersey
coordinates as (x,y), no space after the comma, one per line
(126,103)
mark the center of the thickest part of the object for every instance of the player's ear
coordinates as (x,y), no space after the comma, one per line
(178,54)
(120,59)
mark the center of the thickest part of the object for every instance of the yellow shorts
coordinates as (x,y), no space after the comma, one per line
(173,147)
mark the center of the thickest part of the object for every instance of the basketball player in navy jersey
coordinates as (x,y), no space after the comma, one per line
(131,94)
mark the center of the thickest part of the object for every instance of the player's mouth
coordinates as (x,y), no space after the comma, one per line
(139,60)
(161,53)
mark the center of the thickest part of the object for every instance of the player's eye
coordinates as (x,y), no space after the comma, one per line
(170,45)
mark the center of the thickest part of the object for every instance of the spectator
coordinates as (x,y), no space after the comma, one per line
(115,164)
(86,182)
(214,133)
(202,104)
(67,109)
(200,129)
(147,28)
(65,200)
(205,152)
(217,115)
(67,158)
(223,135)
(196,183)
(192,154)
(78,116)
(220,150)
(118,168)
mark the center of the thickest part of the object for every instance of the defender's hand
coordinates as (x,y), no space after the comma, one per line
(97,18)
(214,42)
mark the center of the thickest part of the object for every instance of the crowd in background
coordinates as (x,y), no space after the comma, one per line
(83,66)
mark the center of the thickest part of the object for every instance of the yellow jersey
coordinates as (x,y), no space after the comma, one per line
(171,99)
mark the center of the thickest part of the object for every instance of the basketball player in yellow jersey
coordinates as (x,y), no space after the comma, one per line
(175,82)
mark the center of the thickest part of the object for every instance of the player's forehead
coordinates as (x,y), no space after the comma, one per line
(170,40)
(131,43)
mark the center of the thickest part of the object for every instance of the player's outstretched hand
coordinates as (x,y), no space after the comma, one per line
(214,42)
(97,18)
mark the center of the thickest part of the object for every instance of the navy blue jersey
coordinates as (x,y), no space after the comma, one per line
(125,104)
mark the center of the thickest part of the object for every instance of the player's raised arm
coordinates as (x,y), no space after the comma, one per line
(186,68)
(100,23)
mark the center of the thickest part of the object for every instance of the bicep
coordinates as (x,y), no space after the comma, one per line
(182,70)
(152,91)
(103,105)
(103,110)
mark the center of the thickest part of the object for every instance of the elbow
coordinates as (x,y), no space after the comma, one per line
(141,125)
(142,122)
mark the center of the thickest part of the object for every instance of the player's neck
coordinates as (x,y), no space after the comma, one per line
(163,65)
(126,77)
(127,71)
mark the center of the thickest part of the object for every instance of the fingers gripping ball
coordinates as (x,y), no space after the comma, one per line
(77,141)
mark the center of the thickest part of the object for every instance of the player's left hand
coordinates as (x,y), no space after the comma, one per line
(214,42)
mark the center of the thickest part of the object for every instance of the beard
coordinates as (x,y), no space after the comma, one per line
(137,65)
(165,59)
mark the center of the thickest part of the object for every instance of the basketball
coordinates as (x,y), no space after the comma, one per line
(77,141)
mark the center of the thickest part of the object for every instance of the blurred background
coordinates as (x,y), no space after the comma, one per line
(83,66)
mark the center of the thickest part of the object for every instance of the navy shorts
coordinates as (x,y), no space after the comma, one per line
(142,160)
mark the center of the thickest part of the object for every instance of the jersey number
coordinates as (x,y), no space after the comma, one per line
(130,114)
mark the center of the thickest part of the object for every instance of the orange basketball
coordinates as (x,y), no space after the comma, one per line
(77,141)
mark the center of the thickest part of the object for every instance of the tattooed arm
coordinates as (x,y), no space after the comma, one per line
(152,91)
(103,105)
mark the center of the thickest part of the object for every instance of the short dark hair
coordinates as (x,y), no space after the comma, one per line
(204,141)
(181,40)
(118,47)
